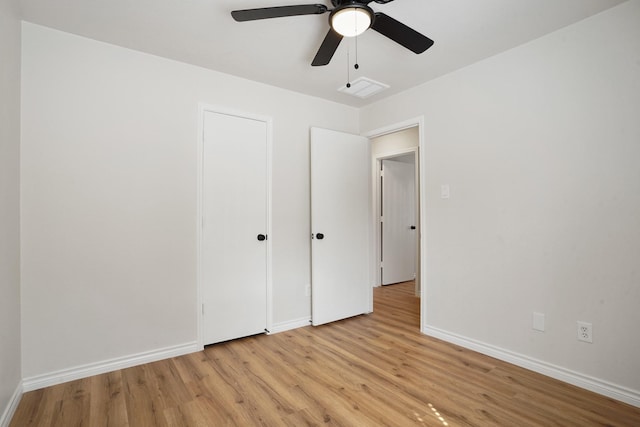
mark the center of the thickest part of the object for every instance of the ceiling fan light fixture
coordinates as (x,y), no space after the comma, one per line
(351,21)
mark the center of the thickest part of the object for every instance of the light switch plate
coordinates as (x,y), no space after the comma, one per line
(445,191)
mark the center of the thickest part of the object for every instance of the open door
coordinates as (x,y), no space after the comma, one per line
(340,219)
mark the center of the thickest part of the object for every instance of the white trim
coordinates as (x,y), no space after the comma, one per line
(417,121)
(199,221)
(202,108)
(605,388)
(91,369)
(371,234)
(397,127)
(290,324)
(5,419)
(397,153)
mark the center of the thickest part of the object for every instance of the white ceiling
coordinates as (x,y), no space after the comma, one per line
(279,51)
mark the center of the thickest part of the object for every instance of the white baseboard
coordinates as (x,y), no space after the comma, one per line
(290,324)
(6,416)
(75,373)
(614,391)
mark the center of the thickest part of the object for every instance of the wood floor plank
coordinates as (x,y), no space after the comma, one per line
(73,409)
(107,402)
(34,408)
(143,407)
(370,370)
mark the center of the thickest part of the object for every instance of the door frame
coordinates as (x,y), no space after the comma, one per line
(421,189)
(378,214)
(204,108)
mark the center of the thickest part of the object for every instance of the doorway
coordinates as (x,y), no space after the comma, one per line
(399,142)
(397,229)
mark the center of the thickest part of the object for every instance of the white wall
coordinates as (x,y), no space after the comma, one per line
(109,196)
(541,148)
(10,370)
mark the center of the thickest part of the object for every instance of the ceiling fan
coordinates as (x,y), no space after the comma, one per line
(348,18)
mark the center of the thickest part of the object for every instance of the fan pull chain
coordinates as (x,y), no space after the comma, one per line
(348,69)
(356,66)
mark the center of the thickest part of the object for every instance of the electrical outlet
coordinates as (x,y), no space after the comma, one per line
(585,332)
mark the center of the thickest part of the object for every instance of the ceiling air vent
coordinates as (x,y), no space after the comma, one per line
(363,87)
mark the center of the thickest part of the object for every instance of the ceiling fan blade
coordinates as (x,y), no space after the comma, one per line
(278,12)
(327,48)
(400,33)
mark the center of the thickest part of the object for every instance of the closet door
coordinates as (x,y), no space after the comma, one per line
(234,226)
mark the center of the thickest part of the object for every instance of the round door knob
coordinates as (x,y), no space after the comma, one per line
(262,237)
(319,236)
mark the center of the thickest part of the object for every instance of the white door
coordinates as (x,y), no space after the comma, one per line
(398,222)
(234,228)
(340,218)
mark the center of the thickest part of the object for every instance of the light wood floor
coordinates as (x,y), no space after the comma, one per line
(373,370)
